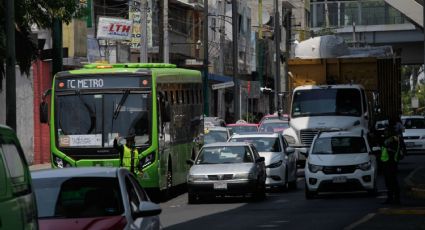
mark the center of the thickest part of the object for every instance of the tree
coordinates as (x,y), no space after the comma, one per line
(34,12)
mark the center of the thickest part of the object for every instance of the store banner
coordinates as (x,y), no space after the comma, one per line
(114,29)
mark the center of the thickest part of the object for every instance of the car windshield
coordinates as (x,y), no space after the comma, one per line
(262,144)
(212,136)
(414,123)
(274,127)
(325,102)
(224,155)
(94,120)
(77,197)
(243,129)
(339,145)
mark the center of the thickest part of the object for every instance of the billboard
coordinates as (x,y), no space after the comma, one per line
(114,29)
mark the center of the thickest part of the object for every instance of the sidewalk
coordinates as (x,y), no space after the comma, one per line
(40,166)
(409,215)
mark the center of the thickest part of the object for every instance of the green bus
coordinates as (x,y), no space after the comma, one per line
(161,103)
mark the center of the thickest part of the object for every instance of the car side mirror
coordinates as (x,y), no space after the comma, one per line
(376,149)
(147,209)
(304,154)
(289,150)
(190,162)
(260,159)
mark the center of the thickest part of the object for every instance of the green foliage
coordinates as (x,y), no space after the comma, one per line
(34,12)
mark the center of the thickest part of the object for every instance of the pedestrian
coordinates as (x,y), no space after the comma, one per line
(390,153)
(129,155)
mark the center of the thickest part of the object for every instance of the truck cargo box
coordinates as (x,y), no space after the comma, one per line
(382,75)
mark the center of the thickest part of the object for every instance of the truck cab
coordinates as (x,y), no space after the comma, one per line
(317,108)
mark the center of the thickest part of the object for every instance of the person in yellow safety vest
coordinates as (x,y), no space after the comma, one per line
(390,155)
(129,155)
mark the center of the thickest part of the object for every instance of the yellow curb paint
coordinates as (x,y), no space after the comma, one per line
(400,211)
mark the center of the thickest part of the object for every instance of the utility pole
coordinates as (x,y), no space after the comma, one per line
(57,61)
(166,40)
(222,35)
(286,22)
(277,55)
(221,92)
(10,65)
(235,29)
(205,81)
(143,32)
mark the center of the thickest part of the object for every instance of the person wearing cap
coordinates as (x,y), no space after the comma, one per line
(129,155)
(390,155)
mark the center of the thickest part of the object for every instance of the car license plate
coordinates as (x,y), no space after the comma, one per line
(220,185)
(339,179)
(410,144)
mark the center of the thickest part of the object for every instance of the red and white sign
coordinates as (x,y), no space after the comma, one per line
(114,29)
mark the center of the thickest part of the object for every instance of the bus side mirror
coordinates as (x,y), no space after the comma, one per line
(44,110)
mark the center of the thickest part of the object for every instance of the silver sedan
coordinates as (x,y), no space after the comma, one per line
(226,168)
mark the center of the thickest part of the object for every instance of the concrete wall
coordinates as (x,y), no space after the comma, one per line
(24,111)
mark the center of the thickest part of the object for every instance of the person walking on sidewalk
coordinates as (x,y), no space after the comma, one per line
(390,155)
(129,155)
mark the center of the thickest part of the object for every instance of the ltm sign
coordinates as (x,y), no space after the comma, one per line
(114,29)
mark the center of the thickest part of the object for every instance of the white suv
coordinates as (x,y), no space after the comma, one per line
(414,133)
(340,161)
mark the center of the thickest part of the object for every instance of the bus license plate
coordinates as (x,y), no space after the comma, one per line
(220,185)
(339,179)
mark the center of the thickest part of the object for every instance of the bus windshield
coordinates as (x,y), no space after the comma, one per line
(95,119)
(327,102)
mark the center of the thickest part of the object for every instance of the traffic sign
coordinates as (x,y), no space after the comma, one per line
(223,85)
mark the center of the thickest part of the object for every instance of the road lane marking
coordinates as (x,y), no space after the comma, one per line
(361,221)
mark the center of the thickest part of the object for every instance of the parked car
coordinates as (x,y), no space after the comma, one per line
(216,134)
(414,133)
(340,161)
(273,125)
(17,200)
(226,168)
(243,127)
(274,116)
(93,198)
(280,160)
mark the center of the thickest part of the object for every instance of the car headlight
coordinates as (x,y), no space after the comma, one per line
(192,178)
(275,164)
(290,139)
(314,168)
(147,160)
(365,166)
(244,176)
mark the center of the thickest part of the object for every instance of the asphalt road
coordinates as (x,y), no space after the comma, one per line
(281,210)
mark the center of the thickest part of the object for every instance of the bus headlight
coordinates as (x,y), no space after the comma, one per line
(147,160)
(60,163)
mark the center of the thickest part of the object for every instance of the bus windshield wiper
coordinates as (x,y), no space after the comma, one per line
(122,101)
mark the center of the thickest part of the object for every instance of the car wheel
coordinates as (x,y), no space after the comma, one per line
(291,184)
(309,194)
(191,198)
